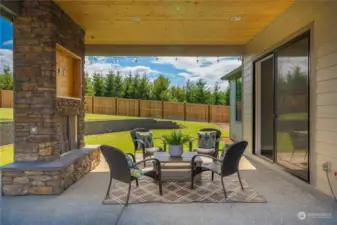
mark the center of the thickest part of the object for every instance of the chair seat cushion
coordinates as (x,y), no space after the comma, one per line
(204,150)
(152,150)
(214,166)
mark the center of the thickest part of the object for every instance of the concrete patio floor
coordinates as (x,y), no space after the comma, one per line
(81,204)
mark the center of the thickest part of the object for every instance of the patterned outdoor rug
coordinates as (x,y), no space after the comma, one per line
(205,191)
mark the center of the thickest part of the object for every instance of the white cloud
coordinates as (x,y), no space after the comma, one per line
(210,69)
(6,59)
(9,42)
(102,66)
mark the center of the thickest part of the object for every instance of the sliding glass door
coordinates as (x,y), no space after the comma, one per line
(282,106)
(292,106)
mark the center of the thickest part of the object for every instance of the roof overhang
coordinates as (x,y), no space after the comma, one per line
(234,74)
(162,50)
(10,8)
(171,22)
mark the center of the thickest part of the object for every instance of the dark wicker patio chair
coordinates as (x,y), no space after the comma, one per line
(120,169)
(146,151)
(226,167)
(208,151)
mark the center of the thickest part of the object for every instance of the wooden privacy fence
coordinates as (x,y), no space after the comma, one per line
(144,108)
(157,109)
(6,99)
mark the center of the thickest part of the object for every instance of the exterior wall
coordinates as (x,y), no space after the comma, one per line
(40,26)
(320,16)
(235,126)
(6,132)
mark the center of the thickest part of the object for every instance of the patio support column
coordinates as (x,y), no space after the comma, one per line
(37,29)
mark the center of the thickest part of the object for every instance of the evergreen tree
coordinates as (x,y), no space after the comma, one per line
(189,92)
(128,86)
(144,88)
(6,79)
(227,96)
(98,82)
(89,89)
(135,87)
(118,86)
(177,94)
(216,94)
(109,84)
(160,88)
(200,92)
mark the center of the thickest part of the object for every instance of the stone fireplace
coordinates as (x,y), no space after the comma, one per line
(68,111)
(49,149)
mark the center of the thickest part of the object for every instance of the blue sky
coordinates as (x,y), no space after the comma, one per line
(177,69)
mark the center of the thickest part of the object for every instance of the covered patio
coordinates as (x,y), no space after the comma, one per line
(81,204)
(51,40)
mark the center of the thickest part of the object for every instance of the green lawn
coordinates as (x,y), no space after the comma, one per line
(121,140)
(7,114)
(6,154)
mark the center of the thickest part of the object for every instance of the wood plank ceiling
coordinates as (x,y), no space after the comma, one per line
(168,22)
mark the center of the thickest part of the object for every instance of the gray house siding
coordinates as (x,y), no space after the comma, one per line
(320,17)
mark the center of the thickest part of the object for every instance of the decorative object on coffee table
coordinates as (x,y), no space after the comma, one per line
(176,141)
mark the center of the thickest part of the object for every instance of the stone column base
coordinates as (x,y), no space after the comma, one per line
(49,178)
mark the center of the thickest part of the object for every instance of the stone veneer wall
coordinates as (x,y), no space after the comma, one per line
(48,182)
(6,132)
(40,26)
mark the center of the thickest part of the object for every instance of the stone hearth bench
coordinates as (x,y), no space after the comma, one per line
(49,178)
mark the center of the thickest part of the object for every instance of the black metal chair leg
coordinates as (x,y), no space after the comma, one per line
(223,186)
(137,183)
(192,179)
(128,196)
(212,176)
(108,191)
(160,185)
(240,181)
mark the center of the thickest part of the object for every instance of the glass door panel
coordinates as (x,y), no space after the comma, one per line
(292,107)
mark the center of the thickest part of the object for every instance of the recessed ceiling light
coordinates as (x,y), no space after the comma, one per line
(136,19)
(236,18)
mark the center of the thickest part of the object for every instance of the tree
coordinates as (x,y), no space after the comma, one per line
(128,86)
(144,88)
(109,84)
(216,94)
(135,87)
(160,88)
(189,92)
(177,94)
(200,92)
(6,79)
(89,89)
(98,82)
(227,96)
(118,85)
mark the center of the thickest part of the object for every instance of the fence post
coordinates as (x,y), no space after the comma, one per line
(116,107)
(0,98)
(138,107)
(162,109)
(209,113)
(93,105)
(185,111)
